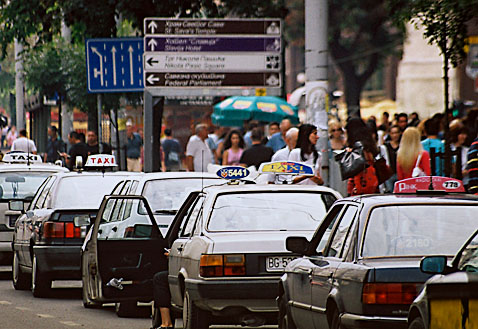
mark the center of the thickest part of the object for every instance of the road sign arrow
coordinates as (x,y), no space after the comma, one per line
(152,26)
(152,44)
(152,79)
(151,61)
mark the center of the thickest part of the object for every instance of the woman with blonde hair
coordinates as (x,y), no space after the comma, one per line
(411,155)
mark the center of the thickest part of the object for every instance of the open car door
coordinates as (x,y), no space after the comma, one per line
(124,251)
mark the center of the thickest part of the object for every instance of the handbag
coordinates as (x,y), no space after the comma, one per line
(382,170)
(351,163)
(417,171)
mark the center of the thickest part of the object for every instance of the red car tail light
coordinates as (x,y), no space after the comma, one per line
(234,265)
(222,265)
(389,293)
(55,230)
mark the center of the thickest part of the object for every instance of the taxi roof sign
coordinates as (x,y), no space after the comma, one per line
(20,157)
(233,172)
(101,160)
(429,183)
(286,168)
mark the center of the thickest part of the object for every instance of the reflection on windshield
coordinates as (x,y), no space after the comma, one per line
(169,194)
(21,185)
(469,258)
(276,211)
(418,230)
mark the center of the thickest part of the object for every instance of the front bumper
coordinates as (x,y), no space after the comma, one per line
(223,297)
(348,320)
(59,262)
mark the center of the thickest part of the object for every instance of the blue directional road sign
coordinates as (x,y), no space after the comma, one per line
(114,65)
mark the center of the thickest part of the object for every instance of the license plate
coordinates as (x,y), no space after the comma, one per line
(278,263)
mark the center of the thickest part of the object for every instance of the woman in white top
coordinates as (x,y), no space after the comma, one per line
(306,153)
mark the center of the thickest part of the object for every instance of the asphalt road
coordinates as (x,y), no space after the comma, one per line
(64,309)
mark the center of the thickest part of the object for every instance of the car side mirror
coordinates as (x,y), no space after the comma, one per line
(16,205)
(433,264)
(297,244)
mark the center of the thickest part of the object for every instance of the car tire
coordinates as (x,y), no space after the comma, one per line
(335,319)
(285,318)
(41,282)
(193,317)
(417,323)
(21,281)
(126,309)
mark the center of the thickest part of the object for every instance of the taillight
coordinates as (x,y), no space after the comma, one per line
(389,293)
(222,265)
(54,230)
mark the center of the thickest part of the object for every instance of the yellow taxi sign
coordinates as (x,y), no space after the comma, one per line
(20,157)
(101,160)
(286,168)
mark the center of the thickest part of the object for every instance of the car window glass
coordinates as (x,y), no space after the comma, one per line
(197,226)
(331,217)
(118,188)
(44,193)
(191,219)
(134,186)
(341,231)
(417,230)
(34,203)
(21,185)
(125,188)
(469,258)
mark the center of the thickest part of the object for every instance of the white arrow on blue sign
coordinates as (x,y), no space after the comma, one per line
(114,65)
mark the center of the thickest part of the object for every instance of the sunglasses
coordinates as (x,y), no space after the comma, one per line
(334,130)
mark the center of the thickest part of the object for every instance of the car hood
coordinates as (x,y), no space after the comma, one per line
(253,242)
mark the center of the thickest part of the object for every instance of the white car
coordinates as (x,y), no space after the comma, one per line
(227,251)
(20,176)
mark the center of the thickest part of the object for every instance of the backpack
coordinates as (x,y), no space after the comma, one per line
(366,182)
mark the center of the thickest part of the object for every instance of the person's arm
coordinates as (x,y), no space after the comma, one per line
(425,163)
(190,163)
(224,158)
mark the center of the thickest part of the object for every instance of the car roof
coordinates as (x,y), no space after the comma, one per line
(245,188)
(429,197)
(31,167)
(94,173)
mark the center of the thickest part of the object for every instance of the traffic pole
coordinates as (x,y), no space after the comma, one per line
(100,121)
(19,96)
(316,72)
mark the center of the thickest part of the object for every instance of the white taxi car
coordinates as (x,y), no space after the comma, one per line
(20,176)
(227,251)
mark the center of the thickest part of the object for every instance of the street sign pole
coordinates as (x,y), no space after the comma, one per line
(100,130)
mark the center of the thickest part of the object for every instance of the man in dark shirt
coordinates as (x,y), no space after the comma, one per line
(78,148)
(258,152)
(93,145)
(55,146)
(172,151)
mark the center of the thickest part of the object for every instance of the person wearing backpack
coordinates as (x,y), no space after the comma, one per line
(172,151)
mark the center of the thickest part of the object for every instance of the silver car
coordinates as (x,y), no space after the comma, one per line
(227,251)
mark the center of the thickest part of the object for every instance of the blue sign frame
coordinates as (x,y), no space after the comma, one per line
(114,65)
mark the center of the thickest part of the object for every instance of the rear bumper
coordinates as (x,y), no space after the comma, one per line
(59,262)
(6,237)
(348,320)
(224,297)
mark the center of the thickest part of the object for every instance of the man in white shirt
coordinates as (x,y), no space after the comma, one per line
(283,154)
(198,153)
(23,144)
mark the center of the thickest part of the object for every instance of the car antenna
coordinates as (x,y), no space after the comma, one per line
(430,187)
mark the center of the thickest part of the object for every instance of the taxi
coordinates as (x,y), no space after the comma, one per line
(226,244)
(47,238)
(450,298)
(165,193)
(20,176)
(361,269)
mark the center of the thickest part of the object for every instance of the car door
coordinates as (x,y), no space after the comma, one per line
(122,267)
(301,277)
(178,235)
(326,265)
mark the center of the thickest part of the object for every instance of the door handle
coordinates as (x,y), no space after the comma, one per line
(180,248)
(114,229)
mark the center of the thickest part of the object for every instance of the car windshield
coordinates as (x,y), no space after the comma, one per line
(268,211)
(84,192)
(21,185)
(469,257)
(169,194)
(418,230)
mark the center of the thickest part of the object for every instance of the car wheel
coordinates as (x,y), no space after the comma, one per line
(193,317)
(126,309)
(41,282)
(21,281)
(285,318)
(335,320)
(417,323)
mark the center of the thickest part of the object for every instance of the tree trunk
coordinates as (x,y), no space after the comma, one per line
(446,96)
(353,90)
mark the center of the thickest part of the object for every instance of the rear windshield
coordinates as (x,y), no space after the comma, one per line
(270,211)
(169,194)
(84,192)
(418,230)
(21,185)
